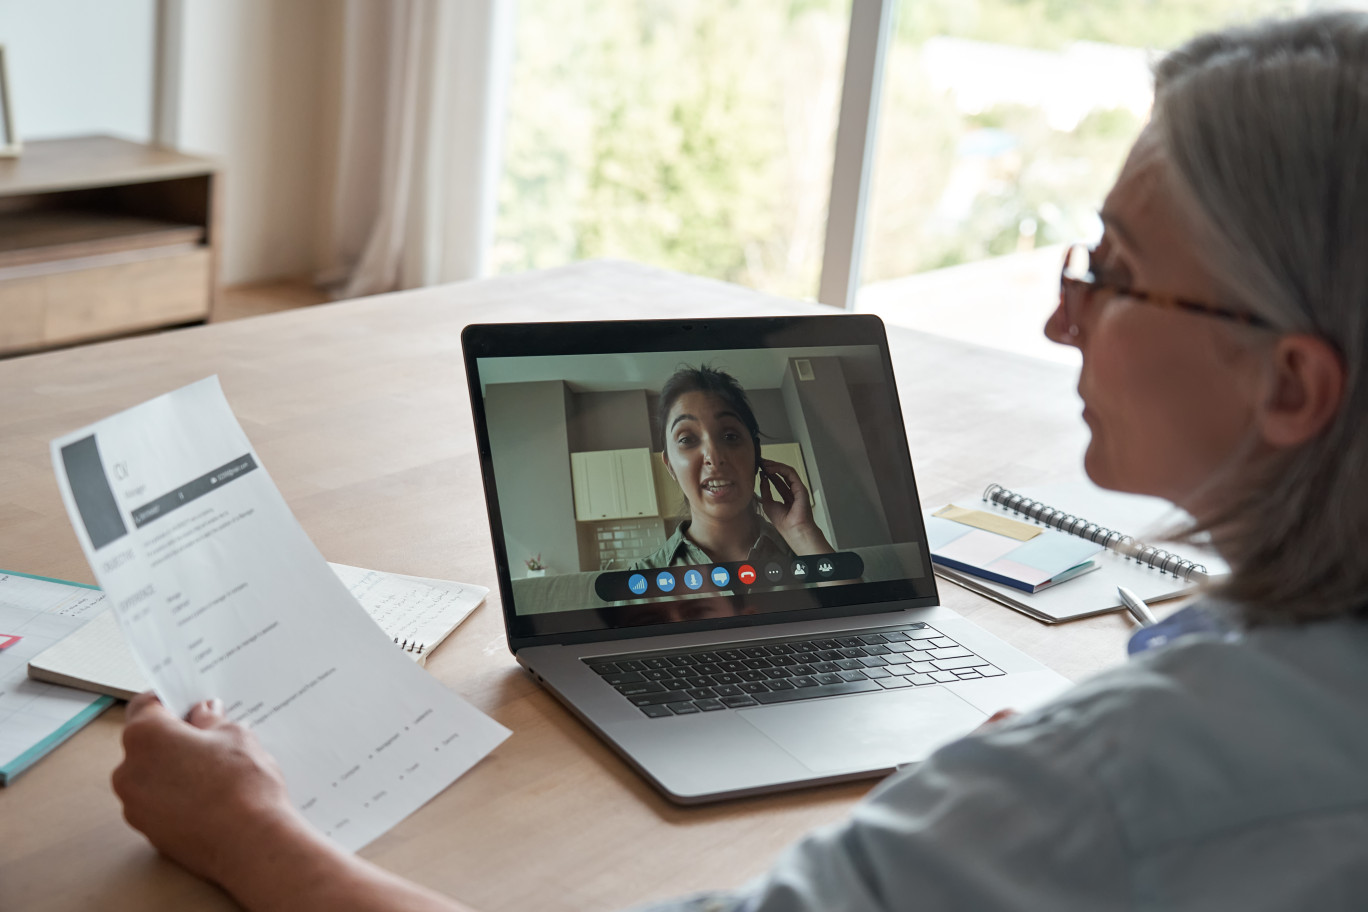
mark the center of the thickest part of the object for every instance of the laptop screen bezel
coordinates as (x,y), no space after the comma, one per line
(495,340)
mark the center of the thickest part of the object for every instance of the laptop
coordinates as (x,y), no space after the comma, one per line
(716,669)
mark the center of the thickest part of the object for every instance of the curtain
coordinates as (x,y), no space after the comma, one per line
(422,93)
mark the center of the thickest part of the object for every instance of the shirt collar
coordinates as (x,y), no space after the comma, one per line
(767,542)
(1203,617)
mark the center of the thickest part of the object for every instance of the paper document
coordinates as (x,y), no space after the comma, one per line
(96,658)
(35,717)
(220,593)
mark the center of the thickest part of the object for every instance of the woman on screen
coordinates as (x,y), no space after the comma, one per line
(1222,321)
(712,451)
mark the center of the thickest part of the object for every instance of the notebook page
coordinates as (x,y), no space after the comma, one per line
(1145,519)
(35,717)
(411,609)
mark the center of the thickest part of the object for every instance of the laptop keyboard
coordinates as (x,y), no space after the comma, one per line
(734,675)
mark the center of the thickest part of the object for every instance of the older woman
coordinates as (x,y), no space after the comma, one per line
(1222,321)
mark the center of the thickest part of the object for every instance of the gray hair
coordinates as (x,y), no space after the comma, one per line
(1266,127)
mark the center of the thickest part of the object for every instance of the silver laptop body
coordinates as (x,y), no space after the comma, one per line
(820,668)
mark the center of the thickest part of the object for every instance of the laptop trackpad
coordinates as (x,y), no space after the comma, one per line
(866,732)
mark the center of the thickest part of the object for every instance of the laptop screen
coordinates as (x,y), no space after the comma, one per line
(661,473)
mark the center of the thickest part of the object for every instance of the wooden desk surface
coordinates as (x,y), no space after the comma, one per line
(360,413)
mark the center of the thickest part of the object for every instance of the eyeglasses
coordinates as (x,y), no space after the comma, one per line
(1078,283)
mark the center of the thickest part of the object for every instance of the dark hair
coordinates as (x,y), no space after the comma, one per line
(705,379)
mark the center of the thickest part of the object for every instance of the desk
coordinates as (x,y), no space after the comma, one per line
(360,413)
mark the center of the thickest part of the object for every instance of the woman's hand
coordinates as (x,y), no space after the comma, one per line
(209,796)
(791,514)
(204,792)
(988,724)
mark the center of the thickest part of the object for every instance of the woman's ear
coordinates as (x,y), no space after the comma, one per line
(1307,390)
(665,459)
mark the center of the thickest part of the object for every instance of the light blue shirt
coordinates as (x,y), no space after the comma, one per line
(1216,771)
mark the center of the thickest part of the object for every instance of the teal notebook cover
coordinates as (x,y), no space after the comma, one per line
(72,725)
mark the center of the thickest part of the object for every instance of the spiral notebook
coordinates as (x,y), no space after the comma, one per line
(1118,523)
(418,613)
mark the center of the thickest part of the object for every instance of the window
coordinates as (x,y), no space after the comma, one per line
(687,134)
(698,135)
(1005,122)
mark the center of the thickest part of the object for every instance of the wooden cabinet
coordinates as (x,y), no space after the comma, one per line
(613,484)
(101,237)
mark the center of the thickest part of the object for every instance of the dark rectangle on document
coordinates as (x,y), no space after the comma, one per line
(90,489)
(193,490)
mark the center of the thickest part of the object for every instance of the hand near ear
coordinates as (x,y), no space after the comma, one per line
(791,512)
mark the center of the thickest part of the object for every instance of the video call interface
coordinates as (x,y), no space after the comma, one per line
(601,496)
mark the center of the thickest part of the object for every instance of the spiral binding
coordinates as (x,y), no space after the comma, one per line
(410,645)
(1154,558)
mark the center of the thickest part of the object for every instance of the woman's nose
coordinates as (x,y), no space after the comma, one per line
(1057,328)
(711,454)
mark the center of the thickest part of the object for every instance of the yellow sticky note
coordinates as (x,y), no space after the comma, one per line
(990,522)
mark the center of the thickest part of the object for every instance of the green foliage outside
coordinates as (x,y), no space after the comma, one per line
(698,134)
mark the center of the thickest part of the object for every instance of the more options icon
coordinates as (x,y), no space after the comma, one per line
(665,582)
(637,583)
(720,577)
(746,574)
(693,579)
(773,572)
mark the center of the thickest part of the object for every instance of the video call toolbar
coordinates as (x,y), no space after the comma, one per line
(727,578)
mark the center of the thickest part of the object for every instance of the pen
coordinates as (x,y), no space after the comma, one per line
(1136,606)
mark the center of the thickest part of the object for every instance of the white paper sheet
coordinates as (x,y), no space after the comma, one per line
(221,593)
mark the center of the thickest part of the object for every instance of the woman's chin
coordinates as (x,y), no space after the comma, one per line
(722,509)
(1105,473)
(1100,469)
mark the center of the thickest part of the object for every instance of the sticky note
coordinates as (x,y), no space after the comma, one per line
(990,522)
